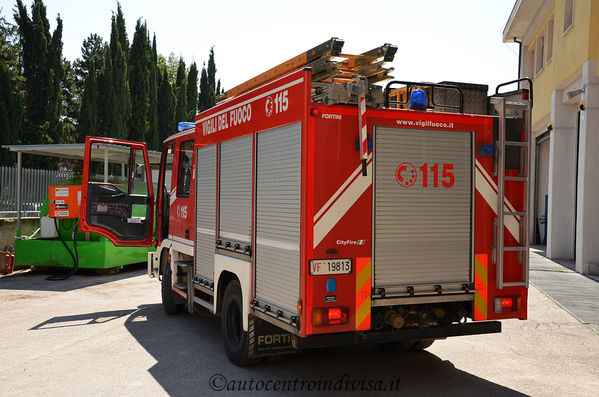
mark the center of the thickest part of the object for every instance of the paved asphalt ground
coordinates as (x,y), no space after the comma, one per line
(108,335)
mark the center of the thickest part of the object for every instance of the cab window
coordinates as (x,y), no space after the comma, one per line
(184,170)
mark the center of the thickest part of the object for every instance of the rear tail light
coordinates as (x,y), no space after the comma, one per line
(330,315)
(508,304)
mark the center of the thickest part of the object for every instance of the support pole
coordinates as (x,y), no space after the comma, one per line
(19,189)
(105,165)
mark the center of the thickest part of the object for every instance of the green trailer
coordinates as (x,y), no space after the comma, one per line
(93,251)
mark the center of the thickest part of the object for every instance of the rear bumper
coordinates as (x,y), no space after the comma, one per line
(354,338)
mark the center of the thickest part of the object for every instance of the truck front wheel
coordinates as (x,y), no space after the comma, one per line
(236,340)
(170,300)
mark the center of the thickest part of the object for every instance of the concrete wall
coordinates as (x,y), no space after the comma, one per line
(8,229)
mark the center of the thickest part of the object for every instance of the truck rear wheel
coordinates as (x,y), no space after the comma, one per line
(422,344)
(405,345)
(170,300)
(236,340)
(395,347)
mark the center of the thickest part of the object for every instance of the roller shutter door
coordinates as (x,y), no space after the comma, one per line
(277,254)
(235,196)
(422,234)
(205,210)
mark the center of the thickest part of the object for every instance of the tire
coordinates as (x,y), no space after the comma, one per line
(395,347)
(236,340)
(170,300)
(422,344)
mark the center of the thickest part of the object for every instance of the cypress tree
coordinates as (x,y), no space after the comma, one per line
(11,97)
(192,91)
(88,118)
(204,98)
(71,99)
(208,86)
(56,97)
(154,134)
(119,33)
(11,113)
(6,97)
(181,93)
(43,71)
(211,69)
(166,108)
(106,104)
(122,103)
(212,93)
(116,99)
(139,83)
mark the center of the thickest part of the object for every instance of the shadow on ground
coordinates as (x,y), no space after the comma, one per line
(190,355)
(36,280)
(82,319)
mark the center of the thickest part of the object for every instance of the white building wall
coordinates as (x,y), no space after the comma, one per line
(587,231)
(562,184)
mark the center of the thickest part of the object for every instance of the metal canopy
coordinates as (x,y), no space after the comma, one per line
(76,151)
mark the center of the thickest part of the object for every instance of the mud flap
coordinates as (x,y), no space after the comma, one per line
(266,339)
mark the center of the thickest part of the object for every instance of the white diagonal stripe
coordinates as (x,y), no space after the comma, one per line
(486,190)
(338,192)
(494,186)
(173,196)
(347,199)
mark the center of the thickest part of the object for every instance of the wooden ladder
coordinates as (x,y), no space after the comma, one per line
(328,64)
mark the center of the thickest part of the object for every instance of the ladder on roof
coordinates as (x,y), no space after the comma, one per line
(328,65)
(518,108)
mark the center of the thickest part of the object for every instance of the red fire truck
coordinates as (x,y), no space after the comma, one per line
(310,210)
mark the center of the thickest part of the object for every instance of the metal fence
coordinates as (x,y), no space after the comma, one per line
(35,189)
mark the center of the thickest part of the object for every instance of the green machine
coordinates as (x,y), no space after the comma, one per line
(60,244)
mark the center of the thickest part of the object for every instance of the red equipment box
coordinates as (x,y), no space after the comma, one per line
(65,201)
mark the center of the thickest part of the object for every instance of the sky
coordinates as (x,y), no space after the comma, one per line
(438,40)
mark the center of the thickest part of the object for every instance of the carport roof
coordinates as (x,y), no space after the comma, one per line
(76,151)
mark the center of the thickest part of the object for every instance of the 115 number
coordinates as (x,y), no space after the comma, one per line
(448,179)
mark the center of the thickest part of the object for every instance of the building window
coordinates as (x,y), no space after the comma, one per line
(568,14)
(549,39)
(540,52)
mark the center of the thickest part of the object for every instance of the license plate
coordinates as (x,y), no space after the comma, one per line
(320,267)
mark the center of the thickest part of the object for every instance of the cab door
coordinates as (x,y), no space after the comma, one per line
(118,198)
